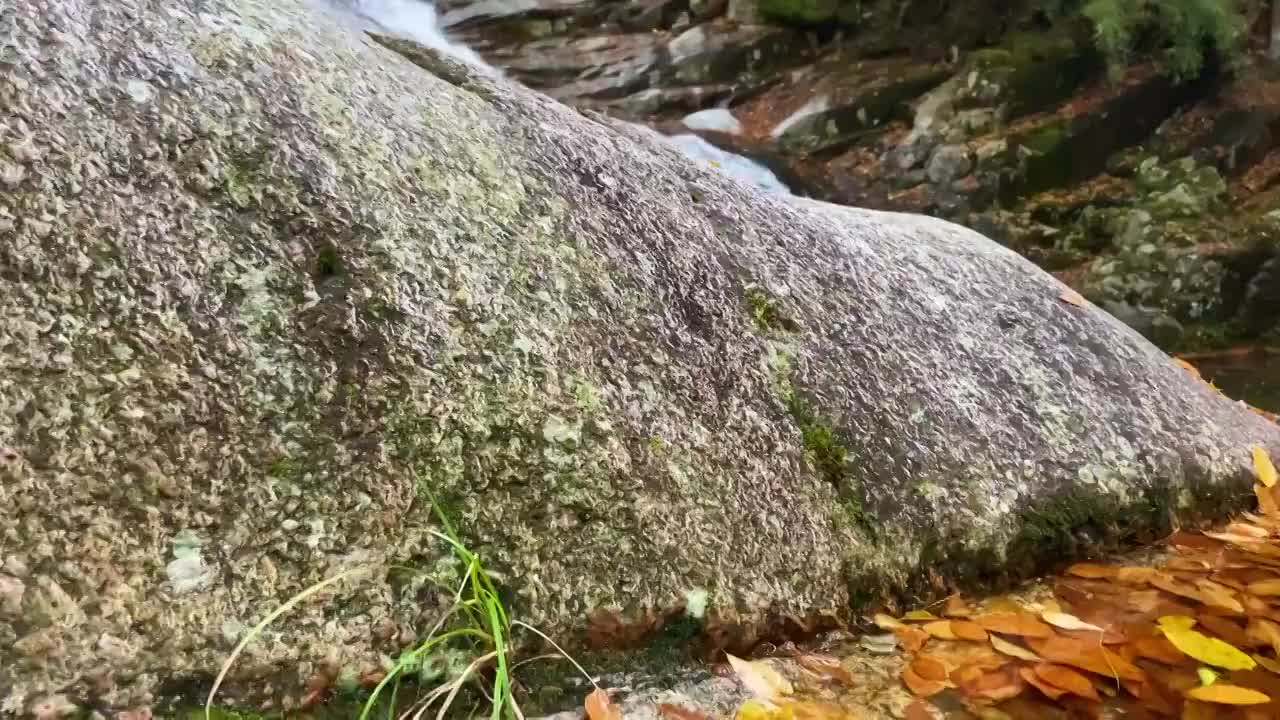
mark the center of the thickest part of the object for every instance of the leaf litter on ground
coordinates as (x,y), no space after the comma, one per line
(1190,629)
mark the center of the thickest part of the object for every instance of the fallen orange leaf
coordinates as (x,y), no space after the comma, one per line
(1092,571)
(911,638)
(956,607)
(599,707)
(929,668)
(1032,679)
(1013,623)
(1067,679)
(919,686)
(918,710)
(966,630)
(1224,694)
(1085,656)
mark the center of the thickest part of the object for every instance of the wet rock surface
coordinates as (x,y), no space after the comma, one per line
(268,280)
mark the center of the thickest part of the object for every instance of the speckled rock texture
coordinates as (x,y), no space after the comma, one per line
(265,280)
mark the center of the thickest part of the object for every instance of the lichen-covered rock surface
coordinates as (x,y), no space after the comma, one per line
(268,281)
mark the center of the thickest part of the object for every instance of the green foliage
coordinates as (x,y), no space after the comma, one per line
(1177,32)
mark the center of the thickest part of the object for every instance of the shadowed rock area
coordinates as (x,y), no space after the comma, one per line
(266,280)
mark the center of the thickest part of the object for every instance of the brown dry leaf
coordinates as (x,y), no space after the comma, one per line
(919,686)
(1072,297)
(1067,679)
(1032,679)
(929,668)
(760,678)
(1225,629)
(911,639)
(599,707)
(1184,565)
(1174,586)
(1263,632)
(995,686)
(1219,596)
(826,666)
(1270,664)
(1014,623)
(1199,711)
(1135,575)
(1160,650)
(956,607)
(940,629)
(1241,528)
(1263,468)
(1085,656)
(966,630)
(1012,650)
(1092,571)
(1225,694)
(1265,588)
(667,711)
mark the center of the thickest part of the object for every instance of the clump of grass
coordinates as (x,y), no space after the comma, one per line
(477,619)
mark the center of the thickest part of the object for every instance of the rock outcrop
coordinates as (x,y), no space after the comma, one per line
(267,281)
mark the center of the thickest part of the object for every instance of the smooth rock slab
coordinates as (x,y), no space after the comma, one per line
(248,318)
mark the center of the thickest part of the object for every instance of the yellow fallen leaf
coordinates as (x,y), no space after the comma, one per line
(1007,648)
(1262,466)
(940,629)
(1176,622)
(760,678)
(1066,621)
(1208,650)
(919,616)
(886,622)
(1207,676)
(756,710)
(1224,694)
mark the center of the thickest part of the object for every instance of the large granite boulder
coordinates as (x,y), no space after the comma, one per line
(268,281)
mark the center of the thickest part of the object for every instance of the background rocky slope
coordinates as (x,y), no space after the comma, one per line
(1155,196)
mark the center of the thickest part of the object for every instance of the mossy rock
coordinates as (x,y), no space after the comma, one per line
(433,285)
(800,12)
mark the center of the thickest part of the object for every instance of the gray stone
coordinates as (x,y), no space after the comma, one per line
(1166,331)
(351,275)
(949,162)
